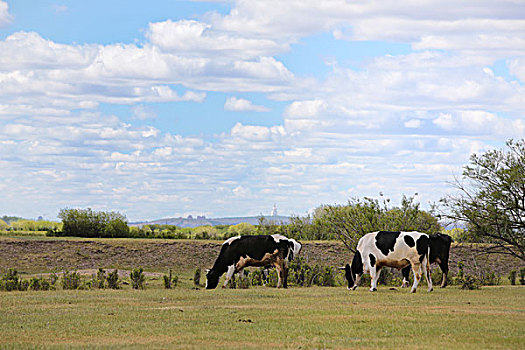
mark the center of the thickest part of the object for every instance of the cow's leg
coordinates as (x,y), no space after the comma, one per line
(443,265)
(285,274)
(426,271)
(416,268)
(405,271)
(229,275)
(374,274)
(357,279)
(279,267)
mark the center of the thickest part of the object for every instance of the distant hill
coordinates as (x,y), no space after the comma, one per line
(190,221)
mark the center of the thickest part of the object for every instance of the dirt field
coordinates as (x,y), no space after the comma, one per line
(33,255)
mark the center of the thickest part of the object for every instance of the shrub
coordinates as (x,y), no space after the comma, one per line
(99,281)
(112,280)
(257,277)
(512,277)
(70,280)
(197,277)
(137,278)
(170,280)
(522,276)
(490,278)
(39,284)
(466,281)
(11,281)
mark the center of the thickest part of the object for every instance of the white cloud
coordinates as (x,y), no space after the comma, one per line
(242,105)
(305,109)
(413,124)
(400,124)
(143,112)
(192,38)
(5,17)
(517,68)
(481,123)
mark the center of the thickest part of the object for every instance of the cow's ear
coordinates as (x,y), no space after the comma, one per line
(207,270)
(347,268)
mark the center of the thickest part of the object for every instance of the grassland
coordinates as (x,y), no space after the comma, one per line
(256,318)
(262,318)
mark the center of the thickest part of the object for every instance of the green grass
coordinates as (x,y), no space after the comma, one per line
(493,317)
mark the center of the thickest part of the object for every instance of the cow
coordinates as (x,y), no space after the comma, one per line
(262,250)
(389,249)
(439,253)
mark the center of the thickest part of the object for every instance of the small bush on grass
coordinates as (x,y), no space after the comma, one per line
(197,277)
(137,278)
(11,281)
(466,281)
(112,280)
(170,280)
(99,280)
(70,280)
(512,277)
(522,276)
(39,284)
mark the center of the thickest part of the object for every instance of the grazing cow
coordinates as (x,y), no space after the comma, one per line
(391,249)
(439,253)
(243,251)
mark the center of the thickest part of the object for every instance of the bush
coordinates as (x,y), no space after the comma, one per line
(11,281)
(112,280)
(70,280)
(89,223)
(39,284)
(197,277)
(137,278)
(99,281)
(512,277)
(170,281)
(466,281)
(522,276)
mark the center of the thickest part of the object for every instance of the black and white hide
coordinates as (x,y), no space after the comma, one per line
(439,253)
(390,249)
(244,251)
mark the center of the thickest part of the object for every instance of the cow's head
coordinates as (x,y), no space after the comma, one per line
(353,272)
(294,248)
(212,279)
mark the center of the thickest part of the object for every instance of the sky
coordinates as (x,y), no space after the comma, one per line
(162,109)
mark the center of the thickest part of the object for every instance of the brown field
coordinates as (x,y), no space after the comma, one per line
(41,254)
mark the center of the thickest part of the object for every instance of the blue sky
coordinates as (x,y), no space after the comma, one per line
(223,108)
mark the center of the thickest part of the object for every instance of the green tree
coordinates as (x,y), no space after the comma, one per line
(3,225)
(352,221)
(89,223)
(491,199)
(241,229)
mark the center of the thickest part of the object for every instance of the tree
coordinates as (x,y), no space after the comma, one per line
(352,221)
(3,225)
(89,223)
(491,199)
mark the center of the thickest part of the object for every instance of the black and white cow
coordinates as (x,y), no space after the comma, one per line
(262,250)
(389,249)
(439,253)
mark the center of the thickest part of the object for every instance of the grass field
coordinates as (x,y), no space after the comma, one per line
(262,318)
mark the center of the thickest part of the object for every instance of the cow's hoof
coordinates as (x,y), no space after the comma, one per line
(413,291)
(354,287)
(373,289)
(430,289)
